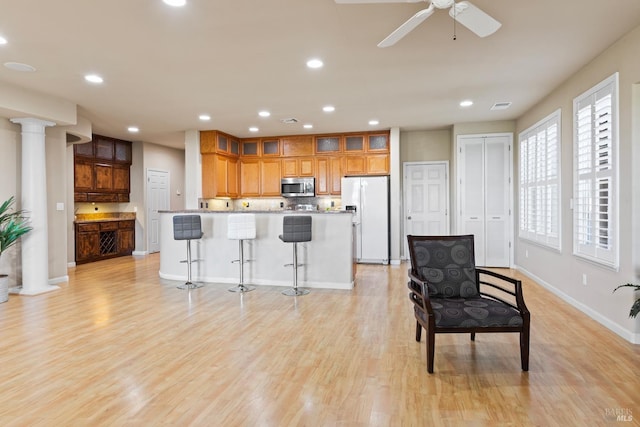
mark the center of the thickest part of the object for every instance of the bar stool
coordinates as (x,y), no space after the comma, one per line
(187,227)
(241,227)
(295,229)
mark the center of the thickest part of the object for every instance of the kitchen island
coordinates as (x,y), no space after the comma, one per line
(328,259)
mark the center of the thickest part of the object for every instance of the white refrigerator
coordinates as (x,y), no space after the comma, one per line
(369,197)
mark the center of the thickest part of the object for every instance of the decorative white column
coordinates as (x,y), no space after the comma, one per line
(35,244)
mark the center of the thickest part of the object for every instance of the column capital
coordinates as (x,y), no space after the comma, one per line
(31,124)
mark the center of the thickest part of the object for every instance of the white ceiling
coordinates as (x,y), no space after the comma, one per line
(164,66)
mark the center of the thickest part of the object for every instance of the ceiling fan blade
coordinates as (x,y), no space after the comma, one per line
(376,1)
(406,28)
(474,19)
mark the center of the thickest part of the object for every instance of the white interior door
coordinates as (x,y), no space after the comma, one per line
(157,200)
(426,199)
(497,201)
(484,196)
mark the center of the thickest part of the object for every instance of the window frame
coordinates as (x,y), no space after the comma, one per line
(534,182)
(594,164)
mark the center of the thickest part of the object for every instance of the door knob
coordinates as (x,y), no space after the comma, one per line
(408,217)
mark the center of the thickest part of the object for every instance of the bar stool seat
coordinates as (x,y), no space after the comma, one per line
(241,227)
(188,227)
(296,229)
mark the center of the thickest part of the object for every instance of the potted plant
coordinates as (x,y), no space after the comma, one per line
(635,308)
(13,225)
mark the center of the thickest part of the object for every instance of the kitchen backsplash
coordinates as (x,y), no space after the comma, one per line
(269,204)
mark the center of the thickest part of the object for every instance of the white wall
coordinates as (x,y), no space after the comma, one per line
(562,272)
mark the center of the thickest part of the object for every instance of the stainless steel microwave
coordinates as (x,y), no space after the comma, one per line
(298,187)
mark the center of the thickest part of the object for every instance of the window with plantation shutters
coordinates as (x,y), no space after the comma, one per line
(595,207)
(539,171)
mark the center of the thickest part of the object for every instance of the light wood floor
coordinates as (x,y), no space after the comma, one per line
(117,346)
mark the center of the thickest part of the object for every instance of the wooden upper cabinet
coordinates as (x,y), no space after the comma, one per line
(83,174)
(101,170)
(234,147)
(270,147)
(232,178)
(209,184)
(327,144)
(222,144)
(250,148)
(297,146)
(249,177)
(121,178)
(377,164)
(297,166)
(354,144)
(122,152)
(208,141)
(83,150)
(378,142)
(103,148)
(354,165)
(103,177)
(270,177)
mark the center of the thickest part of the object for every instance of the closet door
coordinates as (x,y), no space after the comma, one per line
(471,172)
(484,169)
(497,201)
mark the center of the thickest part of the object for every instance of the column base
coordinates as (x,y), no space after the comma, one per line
(19,290)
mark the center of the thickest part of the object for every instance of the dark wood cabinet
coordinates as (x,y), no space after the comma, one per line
(99,240)
(101,170)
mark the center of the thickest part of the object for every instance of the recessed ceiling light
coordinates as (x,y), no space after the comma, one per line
(308,126)
(133,129)
(17,66)
(93,78)
(175,3)
(315,63)
(328,108)
(3,40)
(264,113)
(466,103)
(253,129)
(373,122)
(204,117)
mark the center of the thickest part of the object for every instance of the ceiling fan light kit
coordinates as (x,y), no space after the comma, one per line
(467,14)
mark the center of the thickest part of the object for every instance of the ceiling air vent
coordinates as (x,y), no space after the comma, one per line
(501,106)
(289,121)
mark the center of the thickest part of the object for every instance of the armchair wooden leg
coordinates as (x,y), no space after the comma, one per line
(473,336)
(524,348)
(431,342)
(418,331)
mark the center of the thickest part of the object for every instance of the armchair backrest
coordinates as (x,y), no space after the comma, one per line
(446,263)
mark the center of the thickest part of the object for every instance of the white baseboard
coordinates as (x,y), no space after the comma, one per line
(396,262)
(56,280)
(606,322)
(71,264)
(139,253)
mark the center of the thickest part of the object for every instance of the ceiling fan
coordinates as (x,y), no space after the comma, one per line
(463,12)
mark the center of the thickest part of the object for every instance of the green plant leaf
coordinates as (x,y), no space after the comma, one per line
(13,225)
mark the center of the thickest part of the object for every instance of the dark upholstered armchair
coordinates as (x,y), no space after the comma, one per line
(446,295)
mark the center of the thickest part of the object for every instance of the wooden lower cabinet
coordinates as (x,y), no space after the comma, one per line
(99,240)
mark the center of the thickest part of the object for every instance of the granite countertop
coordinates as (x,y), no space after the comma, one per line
(279,211)
(104,217)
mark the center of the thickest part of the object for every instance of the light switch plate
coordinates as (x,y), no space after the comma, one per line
(59,206)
